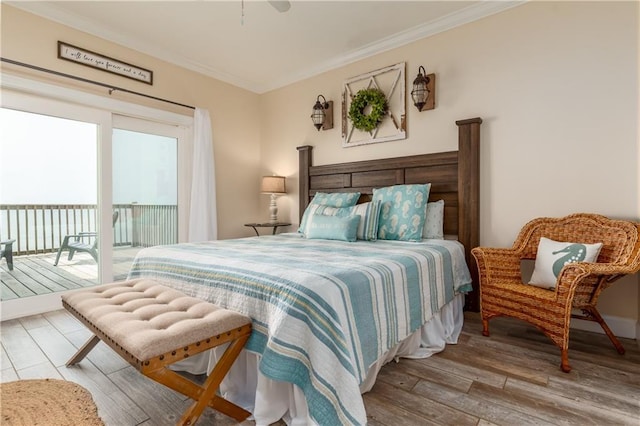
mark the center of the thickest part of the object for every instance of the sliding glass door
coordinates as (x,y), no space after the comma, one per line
(145,188)
(48,200)
(82,190)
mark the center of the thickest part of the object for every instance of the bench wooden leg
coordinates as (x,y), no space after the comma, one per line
(206,395)
(84,350)
(156,367)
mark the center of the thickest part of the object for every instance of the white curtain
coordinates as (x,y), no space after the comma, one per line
(203,218)
(202,214)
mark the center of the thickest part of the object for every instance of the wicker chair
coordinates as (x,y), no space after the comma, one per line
(578,285)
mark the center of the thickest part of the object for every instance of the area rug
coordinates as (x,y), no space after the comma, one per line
(47,402)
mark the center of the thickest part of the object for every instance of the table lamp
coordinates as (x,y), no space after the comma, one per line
(273,185)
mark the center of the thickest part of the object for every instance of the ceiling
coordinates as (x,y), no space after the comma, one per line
(250,44)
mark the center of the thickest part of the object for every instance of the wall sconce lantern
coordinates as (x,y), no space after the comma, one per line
(424,90)
(322,115)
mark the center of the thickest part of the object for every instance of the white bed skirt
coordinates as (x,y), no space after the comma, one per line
(270,401)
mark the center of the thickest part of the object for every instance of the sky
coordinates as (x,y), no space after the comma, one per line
(50,160)
(46,160)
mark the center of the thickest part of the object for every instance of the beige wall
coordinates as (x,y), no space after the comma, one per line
(236,134)
(556,85)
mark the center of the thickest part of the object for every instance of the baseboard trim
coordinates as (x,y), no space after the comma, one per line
(622,327)
(17,308)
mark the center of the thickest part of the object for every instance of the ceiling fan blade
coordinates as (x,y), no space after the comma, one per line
(280,5)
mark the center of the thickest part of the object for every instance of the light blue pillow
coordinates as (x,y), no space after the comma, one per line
(336,199)
(332,227)
(368,212)
(434,221)
(402,212)
(333,199)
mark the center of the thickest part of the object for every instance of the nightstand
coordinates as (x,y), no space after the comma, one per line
(273,225)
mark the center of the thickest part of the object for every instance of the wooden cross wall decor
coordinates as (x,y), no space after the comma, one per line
(391,81)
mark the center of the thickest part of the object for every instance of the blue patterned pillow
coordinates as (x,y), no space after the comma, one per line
(368,212)
(332,227)
(402,212)
(334,199)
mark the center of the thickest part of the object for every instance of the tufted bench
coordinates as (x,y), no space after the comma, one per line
(152,326)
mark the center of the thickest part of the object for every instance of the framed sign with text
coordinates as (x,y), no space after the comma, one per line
(95,60)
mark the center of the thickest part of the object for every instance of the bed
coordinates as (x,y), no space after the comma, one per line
(328,314)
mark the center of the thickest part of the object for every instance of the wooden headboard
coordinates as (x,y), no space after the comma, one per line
(454,177)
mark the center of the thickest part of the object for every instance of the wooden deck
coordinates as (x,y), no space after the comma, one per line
(35,274)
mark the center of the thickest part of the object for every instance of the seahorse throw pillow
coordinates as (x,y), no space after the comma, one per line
(402,211)
(553,255)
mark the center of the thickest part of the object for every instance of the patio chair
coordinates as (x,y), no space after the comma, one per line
(81,242)
(576,286)
(6,251)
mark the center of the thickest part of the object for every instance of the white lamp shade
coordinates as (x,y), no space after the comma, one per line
(273,185)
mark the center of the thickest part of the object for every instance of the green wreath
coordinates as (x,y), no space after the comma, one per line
(378,102)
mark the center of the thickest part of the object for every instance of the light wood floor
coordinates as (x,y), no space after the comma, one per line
(511,378)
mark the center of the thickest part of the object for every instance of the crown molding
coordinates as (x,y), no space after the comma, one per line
(453,20)
(48,10)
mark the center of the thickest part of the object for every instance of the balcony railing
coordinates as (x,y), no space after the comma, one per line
(40,228)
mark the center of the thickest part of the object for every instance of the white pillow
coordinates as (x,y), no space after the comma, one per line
(434,221)
(553,255)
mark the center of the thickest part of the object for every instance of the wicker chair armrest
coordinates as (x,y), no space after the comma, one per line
(569,278)
(573,274)
(498,263)
(613,269)
(498,256)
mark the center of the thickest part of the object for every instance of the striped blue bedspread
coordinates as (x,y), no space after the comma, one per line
(323,311)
